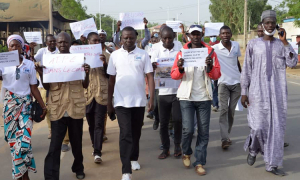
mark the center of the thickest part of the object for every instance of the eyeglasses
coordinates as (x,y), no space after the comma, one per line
(17,73)
(195,25)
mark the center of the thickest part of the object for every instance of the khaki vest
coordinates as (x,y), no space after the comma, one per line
(98,86)
(66,97)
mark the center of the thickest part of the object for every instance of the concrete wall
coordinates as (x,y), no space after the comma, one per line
(240,38)
(291,30)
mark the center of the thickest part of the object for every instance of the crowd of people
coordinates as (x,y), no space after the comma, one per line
(125,85)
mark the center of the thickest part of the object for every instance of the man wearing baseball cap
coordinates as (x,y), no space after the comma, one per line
(195,95)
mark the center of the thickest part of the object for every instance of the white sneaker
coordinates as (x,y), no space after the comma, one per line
(97,159)
(126,177)
(135,165)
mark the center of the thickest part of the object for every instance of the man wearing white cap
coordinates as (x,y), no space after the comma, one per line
(195,95)
(264,93)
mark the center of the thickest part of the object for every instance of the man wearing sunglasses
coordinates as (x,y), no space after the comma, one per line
(195,95)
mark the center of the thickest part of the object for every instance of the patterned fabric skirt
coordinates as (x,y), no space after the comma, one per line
(17,131)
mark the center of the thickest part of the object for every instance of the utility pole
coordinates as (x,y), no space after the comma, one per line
(50,28)
(100,13)
(245,25)
(168,13)
(198,12)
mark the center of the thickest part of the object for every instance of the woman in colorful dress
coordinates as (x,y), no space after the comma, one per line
(18,84)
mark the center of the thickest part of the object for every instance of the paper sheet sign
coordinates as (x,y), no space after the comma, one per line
(91,54)
(295,47)
(83,28)
(9,59)
(33,37)
(213,29)
(63,67)
(133,19)
(174,25)
(194,57)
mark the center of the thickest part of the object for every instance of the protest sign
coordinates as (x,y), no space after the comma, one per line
(9,59)
(91,54)
(175,25)
(162,76)
(213,29)
(63,67)
(83,28)
(33,37)
(194,57)
(295,47)
(239,106)
(133,19)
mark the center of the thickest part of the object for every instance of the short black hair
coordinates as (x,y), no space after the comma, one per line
(129,28)
(168,29)
(225,27)
(91,34)
(49,35)
(75,42)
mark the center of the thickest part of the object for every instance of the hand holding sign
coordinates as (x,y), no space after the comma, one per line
(213,29)
(133,19)
(83,28)
(175,25)
(195,57)
(91,54)
(9,59)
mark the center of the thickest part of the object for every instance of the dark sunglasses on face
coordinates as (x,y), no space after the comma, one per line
(17,73)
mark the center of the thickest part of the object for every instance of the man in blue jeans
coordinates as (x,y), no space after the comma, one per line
(195,95)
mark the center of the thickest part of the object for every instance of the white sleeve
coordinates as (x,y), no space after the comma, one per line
(239,50)
(154,56)
(147,66)
(32,75)
(111,69)
(39,55)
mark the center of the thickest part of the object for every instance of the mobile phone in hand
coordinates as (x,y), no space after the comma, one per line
(281,33)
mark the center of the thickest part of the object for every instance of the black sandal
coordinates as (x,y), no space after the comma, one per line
(164,154)
(177,151)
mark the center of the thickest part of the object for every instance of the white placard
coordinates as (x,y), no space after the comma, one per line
(133,19)
(162,76)
(63,67)
(239,106)
(83,28)
(91,54)
(213,29)
(9,59)
(295,46)
(194,57)
(175,25)
(33,37)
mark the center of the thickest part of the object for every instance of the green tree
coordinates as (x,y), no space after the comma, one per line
(231,12)
(293,10)
(71,9)
(106,24)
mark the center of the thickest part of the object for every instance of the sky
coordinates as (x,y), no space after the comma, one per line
(157,10)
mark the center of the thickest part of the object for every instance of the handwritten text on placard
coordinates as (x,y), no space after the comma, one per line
(83,28)
(33,37)
(91,54)
(9,59)
(133,19)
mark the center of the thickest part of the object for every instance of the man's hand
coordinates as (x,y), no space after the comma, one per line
(110,109)
(39,68)
(145,22)
(86,68)
(182,28)
(283,38)
(44,113)
(119,23)
(150,105)
(83,39)
(32,44)
(209,62)
(245,101)
(180,63)
(103,59)
(154,65)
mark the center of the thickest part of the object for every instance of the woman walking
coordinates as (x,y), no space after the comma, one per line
(19,83)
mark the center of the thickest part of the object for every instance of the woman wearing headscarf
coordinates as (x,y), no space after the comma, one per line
(19,83)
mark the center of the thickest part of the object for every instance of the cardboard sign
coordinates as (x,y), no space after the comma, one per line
(295,47)
(9,59)
(213,29)
(175,25)
(194,57)
(33,37)
(91,54)
(63,67)
(83,28)
(133,19)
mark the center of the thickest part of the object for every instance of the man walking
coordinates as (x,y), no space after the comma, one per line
(96,94)
(195,95)
(264,92)
(66,107)
(127,68)
(229,83)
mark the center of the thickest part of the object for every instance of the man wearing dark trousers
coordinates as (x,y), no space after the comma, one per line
(66,108)
(127,68)
(96,94)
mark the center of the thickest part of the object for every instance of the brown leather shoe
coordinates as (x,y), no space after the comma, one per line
(230,142)
(164,154)
(200,170)
(186,159)
(225,144)
(177,151)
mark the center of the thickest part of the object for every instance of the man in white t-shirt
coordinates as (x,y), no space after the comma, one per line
(127,68)
(168,103)
(229,88)
(38,57)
